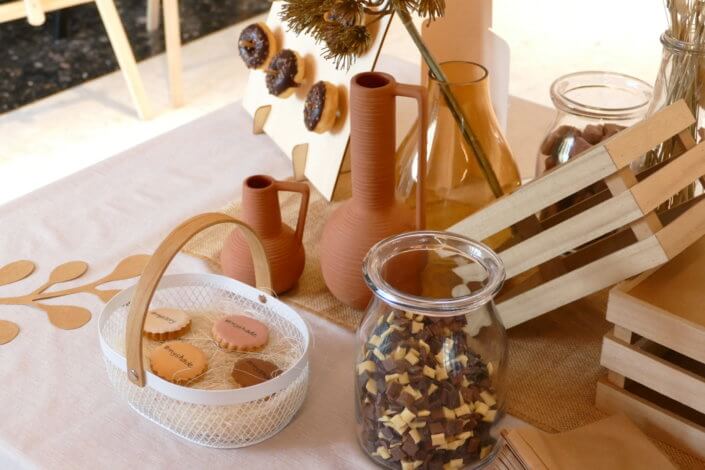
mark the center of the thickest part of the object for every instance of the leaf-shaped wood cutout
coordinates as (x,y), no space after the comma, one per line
(16,271)
(8,331)
(64,273)
(106,295)
(128,268)
(66,317)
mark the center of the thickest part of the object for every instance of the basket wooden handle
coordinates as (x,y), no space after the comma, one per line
(156,267)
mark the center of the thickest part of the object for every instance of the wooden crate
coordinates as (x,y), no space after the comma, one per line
(655,355)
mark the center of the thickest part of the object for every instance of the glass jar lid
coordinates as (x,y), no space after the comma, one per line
(433,273)
(601,95)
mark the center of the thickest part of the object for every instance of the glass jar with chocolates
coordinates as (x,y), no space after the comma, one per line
(590,107)
(429,375)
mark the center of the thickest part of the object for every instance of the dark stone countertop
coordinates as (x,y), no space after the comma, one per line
(33,64)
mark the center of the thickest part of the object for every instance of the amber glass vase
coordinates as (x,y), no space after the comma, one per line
(455,183)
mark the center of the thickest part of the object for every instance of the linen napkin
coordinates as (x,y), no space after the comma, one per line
(614,443)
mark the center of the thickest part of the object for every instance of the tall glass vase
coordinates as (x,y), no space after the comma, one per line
(681,76)
(455,184)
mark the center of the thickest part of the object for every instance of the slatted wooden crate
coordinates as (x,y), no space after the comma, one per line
(605,239)
(656,353)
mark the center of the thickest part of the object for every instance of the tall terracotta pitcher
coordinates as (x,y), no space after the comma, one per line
(283,246)
(372,213)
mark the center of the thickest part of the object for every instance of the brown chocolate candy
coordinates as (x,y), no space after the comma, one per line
(252,371)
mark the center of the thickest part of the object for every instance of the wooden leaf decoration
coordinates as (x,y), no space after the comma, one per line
(127,269)
(66,317)
(106,295)
(15,271)
(68,272)
(8,331)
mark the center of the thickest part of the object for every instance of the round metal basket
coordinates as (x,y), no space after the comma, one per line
(216,418)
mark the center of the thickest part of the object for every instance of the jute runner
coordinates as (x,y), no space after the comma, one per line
(554,360)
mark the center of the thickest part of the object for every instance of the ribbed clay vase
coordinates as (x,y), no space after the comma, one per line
(372,213)
(282,244)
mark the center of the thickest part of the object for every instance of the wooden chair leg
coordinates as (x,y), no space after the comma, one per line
(172,37)
(125,58)
(152,15)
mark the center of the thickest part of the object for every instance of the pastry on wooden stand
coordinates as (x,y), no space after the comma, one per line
(257,45)
(285,73)
(321,107)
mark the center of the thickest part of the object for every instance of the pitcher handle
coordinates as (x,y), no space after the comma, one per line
(305,191)
(420,95)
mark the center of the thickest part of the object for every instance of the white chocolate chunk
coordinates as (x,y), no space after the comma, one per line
(407,415)
(490,368)
(425,345)
(423,413)
(412,358)
(418,463)
(432,388)
(463,359)
(378,354)
(399,353)
(398,424)
(428,372)
(415,435)
(441,373)
(489,416)
(404,378)
(416,327)
(485,451)
(391,377)
(407,465)
(465,435)
(438,439)
(371,386)
(462,410)
(419,317)
(409,315)
(488,398)
(453,464)
(390,317)
(386,333)
(455,444)
(383,452)
(367,366)
(375,341)
(481,407)
(417,424)
(448,413)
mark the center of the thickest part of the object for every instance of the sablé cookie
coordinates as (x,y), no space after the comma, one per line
(240,333)
(163,324)
(251,371)
(178,362)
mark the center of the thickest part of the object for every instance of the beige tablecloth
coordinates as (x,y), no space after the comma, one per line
(57,409)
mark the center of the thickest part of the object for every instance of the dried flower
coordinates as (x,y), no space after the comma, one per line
(343,24)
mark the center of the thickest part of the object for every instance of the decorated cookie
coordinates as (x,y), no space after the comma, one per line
(252,371)
(321,107)
(164,324)
(256,45)
(240,333)
(178,362)
(285,72)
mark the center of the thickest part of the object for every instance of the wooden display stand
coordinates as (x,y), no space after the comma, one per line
(656,353)
(317,157)
(599,241)
(34,11)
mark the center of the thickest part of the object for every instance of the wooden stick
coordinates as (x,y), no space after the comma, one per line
(172,39)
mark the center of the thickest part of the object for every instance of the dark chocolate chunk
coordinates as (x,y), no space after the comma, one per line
(409,446)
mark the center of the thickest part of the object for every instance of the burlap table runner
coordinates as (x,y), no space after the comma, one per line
(554,360)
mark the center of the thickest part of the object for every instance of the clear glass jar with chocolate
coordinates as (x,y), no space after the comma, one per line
(429,376)
(590,107)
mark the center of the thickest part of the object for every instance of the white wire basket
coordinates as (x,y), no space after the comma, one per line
(226,418)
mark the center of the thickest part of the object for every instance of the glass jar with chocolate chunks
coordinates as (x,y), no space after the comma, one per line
(429,376)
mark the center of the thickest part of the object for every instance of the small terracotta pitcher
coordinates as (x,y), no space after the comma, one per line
(283,246)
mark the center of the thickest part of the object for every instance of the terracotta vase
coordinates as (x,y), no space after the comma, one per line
(282,244)
(372,213)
